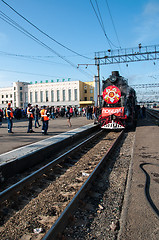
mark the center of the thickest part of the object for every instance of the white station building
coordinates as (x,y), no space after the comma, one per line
(65,93)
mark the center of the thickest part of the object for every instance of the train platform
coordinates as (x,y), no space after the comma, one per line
(21,138)
(140,214)
(22,150)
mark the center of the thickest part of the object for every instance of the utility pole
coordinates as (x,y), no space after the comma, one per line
(98,77)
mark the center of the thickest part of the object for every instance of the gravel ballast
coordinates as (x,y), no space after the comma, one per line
(99,214)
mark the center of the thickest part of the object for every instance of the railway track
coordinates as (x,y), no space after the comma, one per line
(39,206)
(154,114)
(8,191)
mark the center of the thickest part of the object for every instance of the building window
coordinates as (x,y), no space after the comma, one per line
(63,94)
(21,88)
(91,90)
(69,94)
(75,94)
(41,96)
(2,96)
(6,101)
(14,88)
(85,99)
(47,98)
(52,95)
(10,95)
(31,97)
(58,95)
(26,97)
(2,102)
(21,96)
(21,104)
(91,98)
(36,97)
(14,97)
(85,91)
(6,96)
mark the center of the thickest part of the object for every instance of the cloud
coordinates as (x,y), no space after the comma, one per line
(147,24)
(151,9)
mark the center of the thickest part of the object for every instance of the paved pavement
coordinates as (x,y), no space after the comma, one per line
(140,215)
(20,137)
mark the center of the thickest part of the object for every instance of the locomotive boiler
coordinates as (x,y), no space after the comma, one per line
(118,104)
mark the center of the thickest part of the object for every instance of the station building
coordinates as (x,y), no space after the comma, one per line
(63,93)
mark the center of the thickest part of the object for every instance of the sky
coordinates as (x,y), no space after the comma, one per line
(63,34)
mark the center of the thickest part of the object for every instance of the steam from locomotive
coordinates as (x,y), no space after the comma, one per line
(119,103)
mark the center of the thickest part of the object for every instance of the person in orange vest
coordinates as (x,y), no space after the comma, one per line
(30,118)
(45,120)
(9,116)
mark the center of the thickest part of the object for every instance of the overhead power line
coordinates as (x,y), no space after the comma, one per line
(33,56)
(34,74)
(100,16)
(101,23)
(37,58)
(44,32)
(10,21)
(113,23)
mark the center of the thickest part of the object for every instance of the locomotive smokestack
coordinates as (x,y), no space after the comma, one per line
(115,73)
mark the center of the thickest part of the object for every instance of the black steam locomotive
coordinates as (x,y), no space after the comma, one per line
(118,104)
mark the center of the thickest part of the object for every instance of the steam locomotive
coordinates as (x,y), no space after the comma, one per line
(118,104)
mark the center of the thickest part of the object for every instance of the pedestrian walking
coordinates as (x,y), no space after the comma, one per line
(36,116)
(9,116)
(30,118)
(45,120)
(89,112)
(1,116)
(68,115)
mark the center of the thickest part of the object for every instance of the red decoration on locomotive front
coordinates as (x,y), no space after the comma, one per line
(111,94)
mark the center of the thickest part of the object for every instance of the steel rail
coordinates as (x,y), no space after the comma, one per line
(63,220)
(30,178)
(153,114)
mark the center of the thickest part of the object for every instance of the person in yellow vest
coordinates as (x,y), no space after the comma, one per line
(30,118)
(9,116)
(45,120)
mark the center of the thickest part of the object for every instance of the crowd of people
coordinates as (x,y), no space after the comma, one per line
(45,113)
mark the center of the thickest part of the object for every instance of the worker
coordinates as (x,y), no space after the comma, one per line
(30,118)
(45,120)
(9,116)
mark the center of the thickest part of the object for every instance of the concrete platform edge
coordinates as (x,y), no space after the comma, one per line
(126,194)
(17,165)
